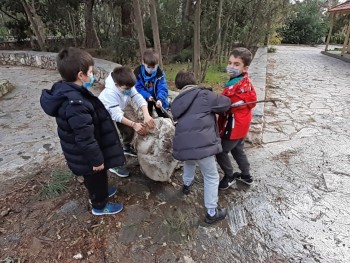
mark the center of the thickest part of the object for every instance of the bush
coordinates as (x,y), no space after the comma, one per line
(271,50)
(182,57)
(338,38)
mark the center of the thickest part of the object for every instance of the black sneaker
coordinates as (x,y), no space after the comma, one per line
(186,189)
(130,151)
(220,214)
(226,182)
(247,179)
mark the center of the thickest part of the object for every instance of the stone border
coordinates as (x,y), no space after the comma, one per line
(47,60)
(338,56)
(257,74)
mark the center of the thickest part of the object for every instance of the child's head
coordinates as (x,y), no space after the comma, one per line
(150,60)
(75,65)
(184,78)
(239,61)
(124,78)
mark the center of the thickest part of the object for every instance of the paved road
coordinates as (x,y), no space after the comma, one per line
(298,208)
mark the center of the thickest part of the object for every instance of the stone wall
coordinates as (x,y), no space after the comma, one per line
(47,60)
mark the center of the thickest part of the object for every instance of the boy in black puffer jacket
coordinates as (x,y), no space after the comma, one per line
(88,137)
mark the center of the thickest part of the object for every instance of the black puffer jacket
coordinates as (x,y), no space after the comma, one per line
(196,132)
(87,133)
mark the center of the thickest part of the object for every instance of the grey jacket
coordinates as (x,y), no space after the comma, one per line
(196,132)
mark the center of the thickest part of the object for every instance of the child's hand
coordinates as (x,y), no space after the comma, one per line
(149,121)
(150,98)
(159,104)
(98,168)
(140,128)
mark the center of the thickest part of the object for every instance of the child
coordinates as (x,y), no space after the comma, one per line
(234,124)
(118,93)
(151,83)
(89,139)
(196,138)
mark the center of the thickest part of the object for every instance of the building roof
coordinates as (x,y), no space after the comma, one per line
(342,8)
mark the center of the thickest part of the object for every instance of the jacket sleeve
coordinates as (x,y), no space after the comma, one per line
(112,102)
(137,98)
(80,120)
(162,90)
(249,96)
(140,87)
(218,102)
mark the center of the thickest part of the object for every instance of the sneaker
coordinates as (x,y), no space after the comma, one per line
(121,171)
(130,151)
(226,182)
(186,189)
(247,179)
(109,209)
(220,214)
(111,192)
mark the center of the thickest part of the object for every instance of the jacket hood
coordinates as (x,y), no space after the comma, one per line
(184,100)
(51,100)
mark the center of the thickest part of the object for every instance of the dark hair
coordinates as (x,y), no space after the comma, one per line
(184,78)
(244,54)
(70,61)
(124,76)
(150,57)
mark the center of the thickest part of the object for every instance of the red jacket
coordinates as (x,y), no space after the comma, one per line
(234,124)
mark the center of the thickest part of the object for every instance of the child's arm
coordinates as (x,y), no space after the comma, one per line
(162,92)
(147,118)
(140,87)
(141,103)
(219,103)
(138,127)
(80,120)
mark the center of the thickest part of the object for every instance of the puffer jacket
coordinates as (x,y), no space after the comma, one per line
(196,131)
(87,134)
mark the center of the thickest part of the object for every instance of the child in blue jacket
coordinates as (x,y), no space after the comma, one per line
(151,83)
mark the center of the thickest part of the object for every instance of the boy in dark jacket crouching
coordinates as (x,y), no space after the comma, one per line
(197,140)
(88,137)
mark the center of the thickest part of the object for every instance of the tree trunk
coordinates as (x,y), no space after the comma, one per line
(139,26)
(91,38)
(36,23)
(218,30)
(72,25)
(127,19)
(155,30)
(196,63)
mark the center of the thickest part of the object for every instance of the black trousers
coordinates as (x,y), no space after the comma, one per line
(151,105)
(236,147)
(97,185)
(127,134)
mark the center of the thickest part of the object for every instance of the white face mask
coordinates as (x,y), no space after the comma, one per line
(150,70)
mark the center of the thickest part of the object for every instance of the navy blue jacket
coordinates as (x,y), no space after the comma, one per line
(196,132)
(87,134)
(156,86)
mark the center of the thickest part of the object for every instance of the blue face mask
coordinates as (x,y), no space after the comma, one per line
(126,92)
(232,71)
(89,84)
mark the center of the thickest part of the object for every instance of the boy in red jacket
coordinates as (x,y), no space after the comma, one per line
(234,124)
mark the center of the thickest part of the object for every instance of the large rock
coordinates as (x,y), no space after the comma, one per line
(5,87)
(154,151)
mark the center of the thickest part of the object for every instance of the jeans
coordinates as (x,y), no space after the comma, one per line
(210,175)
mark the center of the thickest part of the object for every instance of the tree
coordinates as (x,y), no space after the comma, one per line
(91,38)
(139,26)
(196,63)
(155,30)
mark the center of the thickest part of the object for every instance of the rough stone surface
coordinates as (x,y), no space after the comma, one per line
(154,151)
(5,87)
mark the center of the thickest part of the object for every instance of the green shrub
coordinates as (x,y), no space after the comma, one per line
(58,184)
(183,56)
(271,50)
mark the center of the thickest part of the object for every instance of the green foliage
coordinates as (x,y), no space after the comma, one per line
(338,38)
(124,50)
(305,25)
(58,184)
(182,57)
(271,50)
(275,39)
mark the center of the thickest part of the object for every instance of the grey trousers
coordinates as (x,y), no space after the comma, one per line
(236,147)
(127,134)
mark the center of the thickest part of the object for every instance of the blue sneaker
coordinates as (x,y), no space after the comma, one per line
(109,209)
(121,171)
(111,192)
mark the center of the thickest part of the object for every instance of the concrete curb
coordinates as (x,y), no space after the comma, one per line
(336,56)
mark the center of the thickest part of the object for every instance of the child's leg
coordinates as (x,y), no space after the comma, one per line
(127,134)
(211,181)
(97,186)
(223,158)
(189,172)
(150,106)
(240,157)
